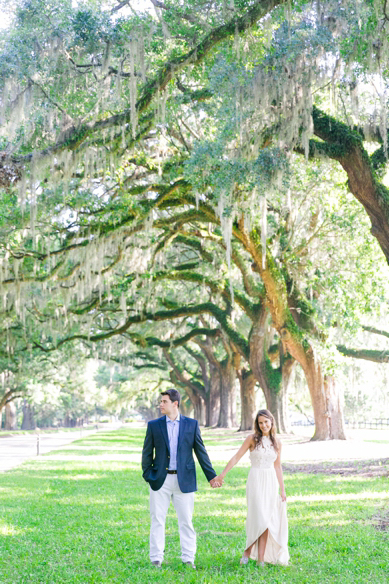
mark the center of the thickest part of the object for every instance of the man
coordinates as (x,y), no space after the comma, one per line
(169,468)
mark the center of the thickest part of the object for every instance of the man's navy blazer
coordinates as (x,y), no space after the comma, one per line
(156,453)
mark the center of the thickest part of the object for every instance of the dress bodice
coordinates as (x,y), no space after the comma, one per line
(264,455)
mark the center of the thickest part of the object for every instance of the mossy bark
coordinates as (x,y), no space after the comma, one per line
(276,403)
(270,379)
(343,144)
(376,356)
(324,394)
(282,420)
(247,383)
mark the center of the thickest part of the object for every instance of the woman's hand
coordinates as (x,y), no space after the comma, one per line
(216,482)
(283,496)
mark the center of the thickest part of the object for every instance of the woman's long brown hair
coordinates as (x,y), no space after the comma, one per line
(258,432)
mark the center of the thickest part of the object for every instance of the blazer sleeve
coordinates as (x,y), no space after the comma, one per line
(147,452)
(202,455)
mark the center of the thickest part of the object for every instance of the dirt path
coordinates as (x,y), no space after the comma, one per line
(14,450)
(362,468)
(365,454)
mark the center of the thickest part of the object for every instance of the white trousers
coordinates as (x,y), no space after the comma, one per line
(159,505)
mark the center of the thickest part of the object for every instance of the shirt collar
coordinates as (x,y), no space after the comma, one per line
(172,421)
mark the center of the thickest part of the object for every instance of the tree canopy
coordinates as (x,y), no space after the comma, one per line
(206,179)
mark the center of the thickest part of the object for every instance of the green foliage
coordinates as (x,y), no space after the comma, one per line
(141,147)
(90,27)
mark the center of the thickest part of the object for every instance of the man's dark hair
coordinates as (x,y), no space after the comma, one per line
(173,394)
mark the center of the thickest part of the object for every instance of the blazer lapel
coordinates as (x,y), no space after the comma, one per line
(182,430)
(162,423)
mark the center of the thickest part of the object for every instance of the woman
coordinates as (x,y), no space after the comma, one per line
(266,523)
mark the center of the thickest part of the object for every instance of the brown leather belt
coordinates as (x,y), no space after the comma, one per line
(171,472)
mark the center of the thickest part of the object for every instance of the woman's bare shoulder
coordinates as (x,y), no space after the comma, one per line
(250,441)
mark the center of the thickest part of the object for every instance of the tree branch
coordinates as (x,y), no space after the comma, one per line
(366,354)
(372,329)
(76,135)
(346,146)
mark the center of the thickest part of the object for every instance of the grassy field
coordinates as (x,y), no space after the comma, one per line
(81,515)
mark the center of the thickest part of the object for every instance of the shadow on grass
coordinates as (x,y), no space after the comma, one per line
(362,468)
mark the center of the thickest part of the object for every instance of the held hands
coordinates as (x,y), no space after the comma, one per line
(216,482)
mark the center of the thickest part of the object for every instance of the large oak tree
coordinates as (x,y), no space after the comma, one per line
(123,133)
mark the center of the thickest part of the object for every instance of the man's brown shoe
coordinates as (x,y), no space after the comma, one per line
(157,563)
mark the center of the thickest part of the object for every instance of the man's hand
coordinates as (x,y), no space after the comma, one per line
(216,482)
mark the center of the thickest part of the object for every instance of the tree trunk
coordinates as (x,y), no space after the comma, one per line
(195,394)
(10,416)
(213,397)
(70,421)
(28,422)
(227,417)
(270,378)
(232,404)
(210,396)
(199,408)
(247,383)
(326,403)
(277,402)
(198,403)
(185,409)
(148,413)
(324,394)
(282,421)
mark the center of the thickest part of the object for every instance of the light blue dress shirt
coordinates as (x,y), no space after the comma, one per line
(173,428)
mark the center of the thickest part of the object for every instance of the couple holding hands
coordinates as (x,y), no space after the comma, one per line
(169,468)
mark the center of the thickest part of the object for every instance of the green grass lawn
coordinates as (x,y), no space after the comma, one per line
(80,514)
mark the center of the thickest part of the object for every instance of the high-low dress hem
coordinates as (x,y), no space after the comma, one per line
(265,508)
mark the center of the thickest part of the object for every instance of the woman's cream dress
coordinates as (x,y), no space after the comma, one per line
(265,509)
